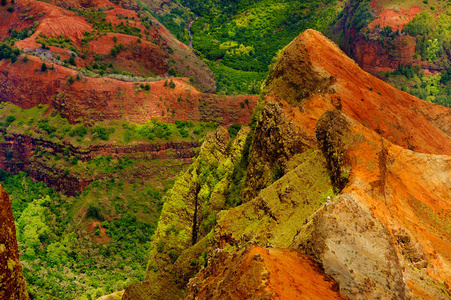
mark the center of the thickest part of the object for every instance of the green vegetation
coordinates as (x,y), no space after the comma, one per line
(56,41)
(201,191)
(96,242)
(238,39)
(433,42)
(7,52)
(434,88)
(229,80)
(57,129)
(308,177)
(433,36)
(98,20)
(176,21)
(363,15)
(62,256)
(246,35)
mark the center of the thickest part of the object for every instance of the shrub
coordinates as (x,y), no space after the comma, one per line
(10,9)
(103,132)
(94,212)
(172,72)
(233,130)
(10,119)
(173,255)
(171,84)
(48,128)
(80,131)
(72,60)
(43,67)
(3,2)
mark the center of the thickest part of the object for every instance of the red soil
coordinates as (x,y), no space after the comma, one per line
(395,19)
(294,275)
(151,56)
(103,238)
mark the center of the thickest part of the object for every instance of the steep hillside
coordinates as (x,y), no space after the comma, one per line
(101,64)
(404,42)
(342,167)
(102,40)
(12,284)
(75,96)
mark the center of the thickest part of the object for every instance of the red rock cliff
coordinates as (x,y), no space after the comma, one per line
(12,284)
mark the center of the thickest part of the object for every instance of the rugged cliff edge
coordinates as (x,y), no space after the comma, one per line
(342,167)
(12,284)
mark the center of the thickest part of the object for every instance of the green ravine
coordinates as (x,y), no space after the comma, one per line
(238,39)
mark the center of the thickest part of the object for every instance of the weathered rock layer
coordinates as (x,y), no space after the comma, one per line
(12,284)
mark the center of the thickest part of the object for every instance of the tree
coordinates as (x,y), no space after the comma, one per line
(432,49)
(43,67)
(172,72)
(3,2)
(72,60)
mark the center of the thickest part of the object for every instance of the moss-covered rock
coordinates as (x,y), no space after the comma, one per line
(276,141)
(189,215)
(279,212)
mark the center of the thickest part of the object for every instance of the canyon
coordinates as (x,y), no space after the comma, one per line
(330,184)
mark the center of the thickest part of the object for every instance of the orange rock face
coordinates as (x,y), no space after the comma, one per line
(259,273)
(385,234)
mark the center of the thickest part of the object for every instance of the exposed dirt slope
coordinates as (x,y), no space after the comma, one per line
(12,284)
(145,51)
(99,99)
(259,273)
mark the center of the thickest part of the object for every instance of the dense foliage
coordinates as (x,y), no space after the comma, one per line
(245,35)
(433,43)
(433,88)
(61,260)
(239,38)
(433,36)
